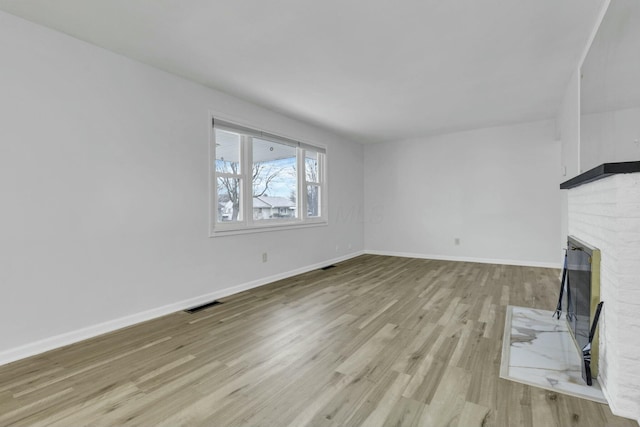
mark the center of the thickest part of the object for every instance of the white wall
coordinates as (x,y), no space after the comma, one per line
(568,124)
(104,193)
(495,189)
(612,136)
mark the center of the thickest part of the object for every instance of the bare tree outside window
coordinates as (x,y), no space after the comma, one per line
(273,174)
(228,175)
(275,177)
(264,180)
(312,178)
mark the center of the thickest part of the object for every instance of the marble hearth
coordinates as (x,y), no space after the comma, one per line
(538,350)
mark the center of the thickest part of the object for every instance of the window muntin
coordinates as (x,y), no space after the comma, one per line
(263,180)
(312,180)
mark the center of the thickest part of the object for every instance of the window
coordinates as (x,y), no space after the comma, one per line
(263,181)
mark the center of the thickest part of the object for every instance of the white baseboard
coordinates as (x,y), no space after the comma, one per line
(71,337)
(466,259)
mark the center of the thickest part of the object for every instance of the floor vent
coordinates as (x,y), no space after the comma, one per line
(202,307)
(328,267)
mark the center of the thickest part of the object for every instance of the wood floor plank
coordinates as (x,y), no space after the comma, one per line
(375,341)
(476,415)
(448,402)
(405,413)
(392,395)
(320,400)
(368,351)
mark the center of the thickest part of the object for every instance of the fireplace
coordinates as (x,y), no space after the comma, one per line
(581,299)
(604,210)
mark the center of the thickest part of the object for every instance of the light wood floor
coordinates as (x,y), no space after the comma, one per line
(376,341)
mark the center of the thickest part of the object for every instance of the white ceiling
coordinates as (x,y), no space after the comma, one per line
(374,70)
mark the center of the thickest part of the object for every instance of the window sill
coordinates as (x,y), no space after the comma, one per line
(262,228)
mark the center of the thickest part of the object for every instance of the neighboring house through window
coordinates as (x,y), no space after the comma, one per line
(263,181)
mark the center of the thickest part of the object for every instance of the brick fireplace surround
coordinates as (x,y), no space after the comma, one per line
(604,211)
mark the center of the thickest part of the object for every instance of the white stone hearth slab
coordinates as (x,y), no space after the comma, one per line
(538,350)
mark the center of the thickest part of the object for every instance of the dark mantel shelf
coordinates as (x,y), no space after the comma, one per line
(599,172)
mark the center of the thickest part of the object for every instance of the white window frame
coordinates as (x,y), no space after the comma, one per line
(247,224)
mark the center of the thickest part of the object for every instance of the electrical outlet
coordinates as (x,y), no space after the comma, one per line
(264,257)
(456,241)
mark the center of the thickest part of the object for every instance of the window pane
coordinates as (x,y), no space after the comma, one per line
(227,152)
(311,166)
(313,201)
(274,180)
(229,199)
